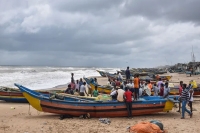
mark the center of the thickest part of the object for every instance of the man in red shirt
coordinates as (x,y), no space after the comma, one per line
(180,92)
(128,100)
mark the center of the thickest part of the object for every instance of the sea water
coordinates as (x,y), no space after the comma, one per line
(37,77)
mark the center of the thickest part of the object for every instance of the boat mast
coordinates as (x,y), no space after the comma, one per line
(193,59)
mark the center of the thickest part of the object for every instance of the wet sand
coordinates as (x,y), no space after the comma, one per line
(25,119)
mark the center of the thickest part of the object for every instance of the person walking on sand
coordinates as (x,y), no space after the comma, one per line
(128,74)
(128,100)
(180,93)
(166,90)
(191,92)
(185,99)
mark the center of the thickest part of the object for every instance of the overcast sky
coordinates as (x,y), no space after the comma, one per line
(100,33)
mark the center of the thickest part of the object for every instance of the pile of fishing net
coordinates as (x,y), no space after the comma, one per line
(8,89)
(153,126)
(103,97)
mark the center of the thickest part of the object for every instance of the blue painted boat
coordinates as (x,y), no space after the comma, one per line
(146,105)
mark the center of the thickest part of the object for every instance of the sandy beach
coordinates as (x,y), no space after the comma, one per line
(22,118)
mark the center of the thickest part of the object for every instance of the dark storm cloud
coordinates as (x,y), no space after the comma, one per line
(113,33)
(176,10)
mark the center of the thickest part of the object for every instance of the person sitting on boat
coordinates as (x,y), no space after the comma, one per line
(113,94)
(130,86)
(155,90)
(95,82)
(117,83)
(109,82)
(69,90)
(120,94)
(123,85)
(162,90)
(95,93)
(83,90)
(128,100)
(147,90)
(150,85)
(80,83)
(73,86)
(166,90)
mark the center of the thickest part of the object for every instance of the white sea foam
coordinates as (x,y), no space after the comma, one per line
(44,77)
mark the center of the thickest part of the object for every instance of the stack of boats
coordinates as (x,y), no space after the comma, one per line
(60,103)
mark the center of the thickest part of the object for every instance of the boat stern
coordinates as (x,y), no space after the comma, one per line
(34,102)
(168,105)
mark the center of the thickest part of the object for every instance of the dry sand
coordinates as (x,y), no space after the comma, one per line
(23,119)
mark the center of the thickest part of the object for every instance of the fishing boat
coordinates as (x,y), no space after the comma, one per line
(15,95)
(100,88)
(175,90)
(102,73)
(145,105)
(12,95)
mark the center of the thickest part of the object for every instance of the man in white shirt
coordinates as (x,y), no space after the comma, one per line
(120,95)
(156,90)
(166,90)
(83,90)
(120,77)
(130,86)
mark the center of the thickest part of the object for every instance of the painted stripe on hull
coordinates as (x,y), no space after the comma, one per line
(103,114)
(103,107)
(102,111)
(11,94)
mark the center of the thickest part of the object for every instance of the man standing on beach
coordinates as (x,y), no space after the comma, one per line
(185,99)
(128,100)
(180,93)
(127,74)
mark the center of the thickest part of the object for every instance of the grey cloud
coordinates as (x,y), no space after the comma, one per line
(102,33)
(179,11)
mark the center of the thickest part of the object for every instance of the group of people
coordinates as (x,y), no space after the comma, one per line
(185,97)
(78,88)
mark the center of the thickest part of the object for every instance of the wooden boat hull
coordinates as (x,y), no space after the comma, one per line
(96,109)
(175,91)
(15,95)
(103,74)
(12,97)
(101,89)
